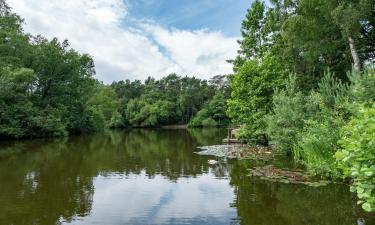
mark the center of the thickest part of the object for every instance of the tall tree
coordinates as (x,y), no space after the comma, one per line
(354,17)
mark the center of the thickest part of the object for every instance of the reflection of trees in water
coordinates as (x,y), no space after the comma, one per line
(45,181)
(166,152)
(221,170)
(208,136)
(43,186)
(263,202)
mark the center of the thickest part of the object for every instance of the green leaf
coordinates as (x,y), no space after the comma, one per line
(339,155)
(369,173)
(367,207)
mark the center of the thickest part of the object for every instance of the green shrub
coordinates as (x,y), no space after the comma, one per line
(317,145)
(48,124)
(287,119)
(357,158)
(209,122)
(363,87)
(197,121)
(213,113)
(325,114)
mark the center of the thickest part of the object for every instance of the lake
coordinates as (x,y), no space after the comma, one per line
(153,176)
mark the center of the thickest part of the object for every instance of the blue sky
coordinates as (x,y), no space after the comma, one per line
(134,39)
(224,15)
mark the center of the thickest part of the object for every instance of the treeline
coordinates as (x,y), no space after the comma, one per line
(172,100)
(305,81)
(48,89)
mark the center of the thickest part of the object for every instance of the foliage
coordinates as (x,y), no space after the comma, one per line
(45,86)
(288,118)
(318,142)
(357,158)
(308,36)
(305,38)
(212,114)
(104,106)
(316,146)
(252,90)
(362,89)
(171,100)
(309,125)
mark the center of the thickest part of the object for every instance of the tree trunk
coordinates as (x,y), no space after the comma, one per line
(353,50)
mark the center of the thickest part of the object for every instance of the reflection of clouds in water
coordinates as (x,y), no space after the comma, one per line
(137,199)
(204,196)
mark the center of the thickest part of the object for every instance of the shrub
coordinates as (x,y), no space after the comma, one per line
(209,122)
(212,113)
(287,119)
(317,145)
(357,158)
(325,115)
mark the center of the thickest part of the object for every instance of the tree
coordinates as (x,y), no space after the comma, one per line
(254,33)
(104,106)
(353,17)
(45,85)
(252,90)
(213,113)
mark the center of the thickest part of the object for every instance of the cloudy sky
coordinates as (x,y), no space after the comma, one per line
(134,39)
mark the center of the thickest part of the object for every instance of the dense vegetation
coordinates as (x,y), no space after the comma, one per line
(172,100)
(305,81)
(48,89)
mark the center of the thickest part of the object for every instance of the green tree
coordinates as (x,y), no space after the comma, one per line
(254,34)
(104,106)
(213,113)
(252,90)
(355,19)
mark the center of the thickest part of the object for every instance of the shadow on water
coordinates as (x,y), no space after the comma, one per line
(153,177)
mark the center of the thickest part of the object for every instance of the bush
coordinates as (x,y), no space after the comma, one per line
(363,87)
(287,119)
(209,122)
(357,158)
(309,125)
(317,145)
(325,112)
(48,124)
(212,114)
(197,121)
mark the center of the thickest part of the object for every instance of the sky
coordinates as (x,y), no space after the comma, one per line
(134,39)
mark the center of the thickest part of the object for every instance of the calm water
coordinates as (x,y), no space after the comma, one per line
(153,177)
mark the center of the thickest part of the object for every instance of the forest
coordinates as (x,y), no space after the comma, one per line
(303,81)
(48,89)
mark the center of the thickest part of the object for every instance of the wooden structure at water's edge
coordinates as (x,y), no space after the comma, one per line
(231,138)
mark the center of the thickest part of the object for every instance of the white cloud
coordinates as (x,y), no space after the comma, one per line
(196,52)
(131,52)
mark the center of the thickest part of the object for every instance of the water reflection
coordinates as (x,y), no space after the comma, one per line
(139,200)
(152,177)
